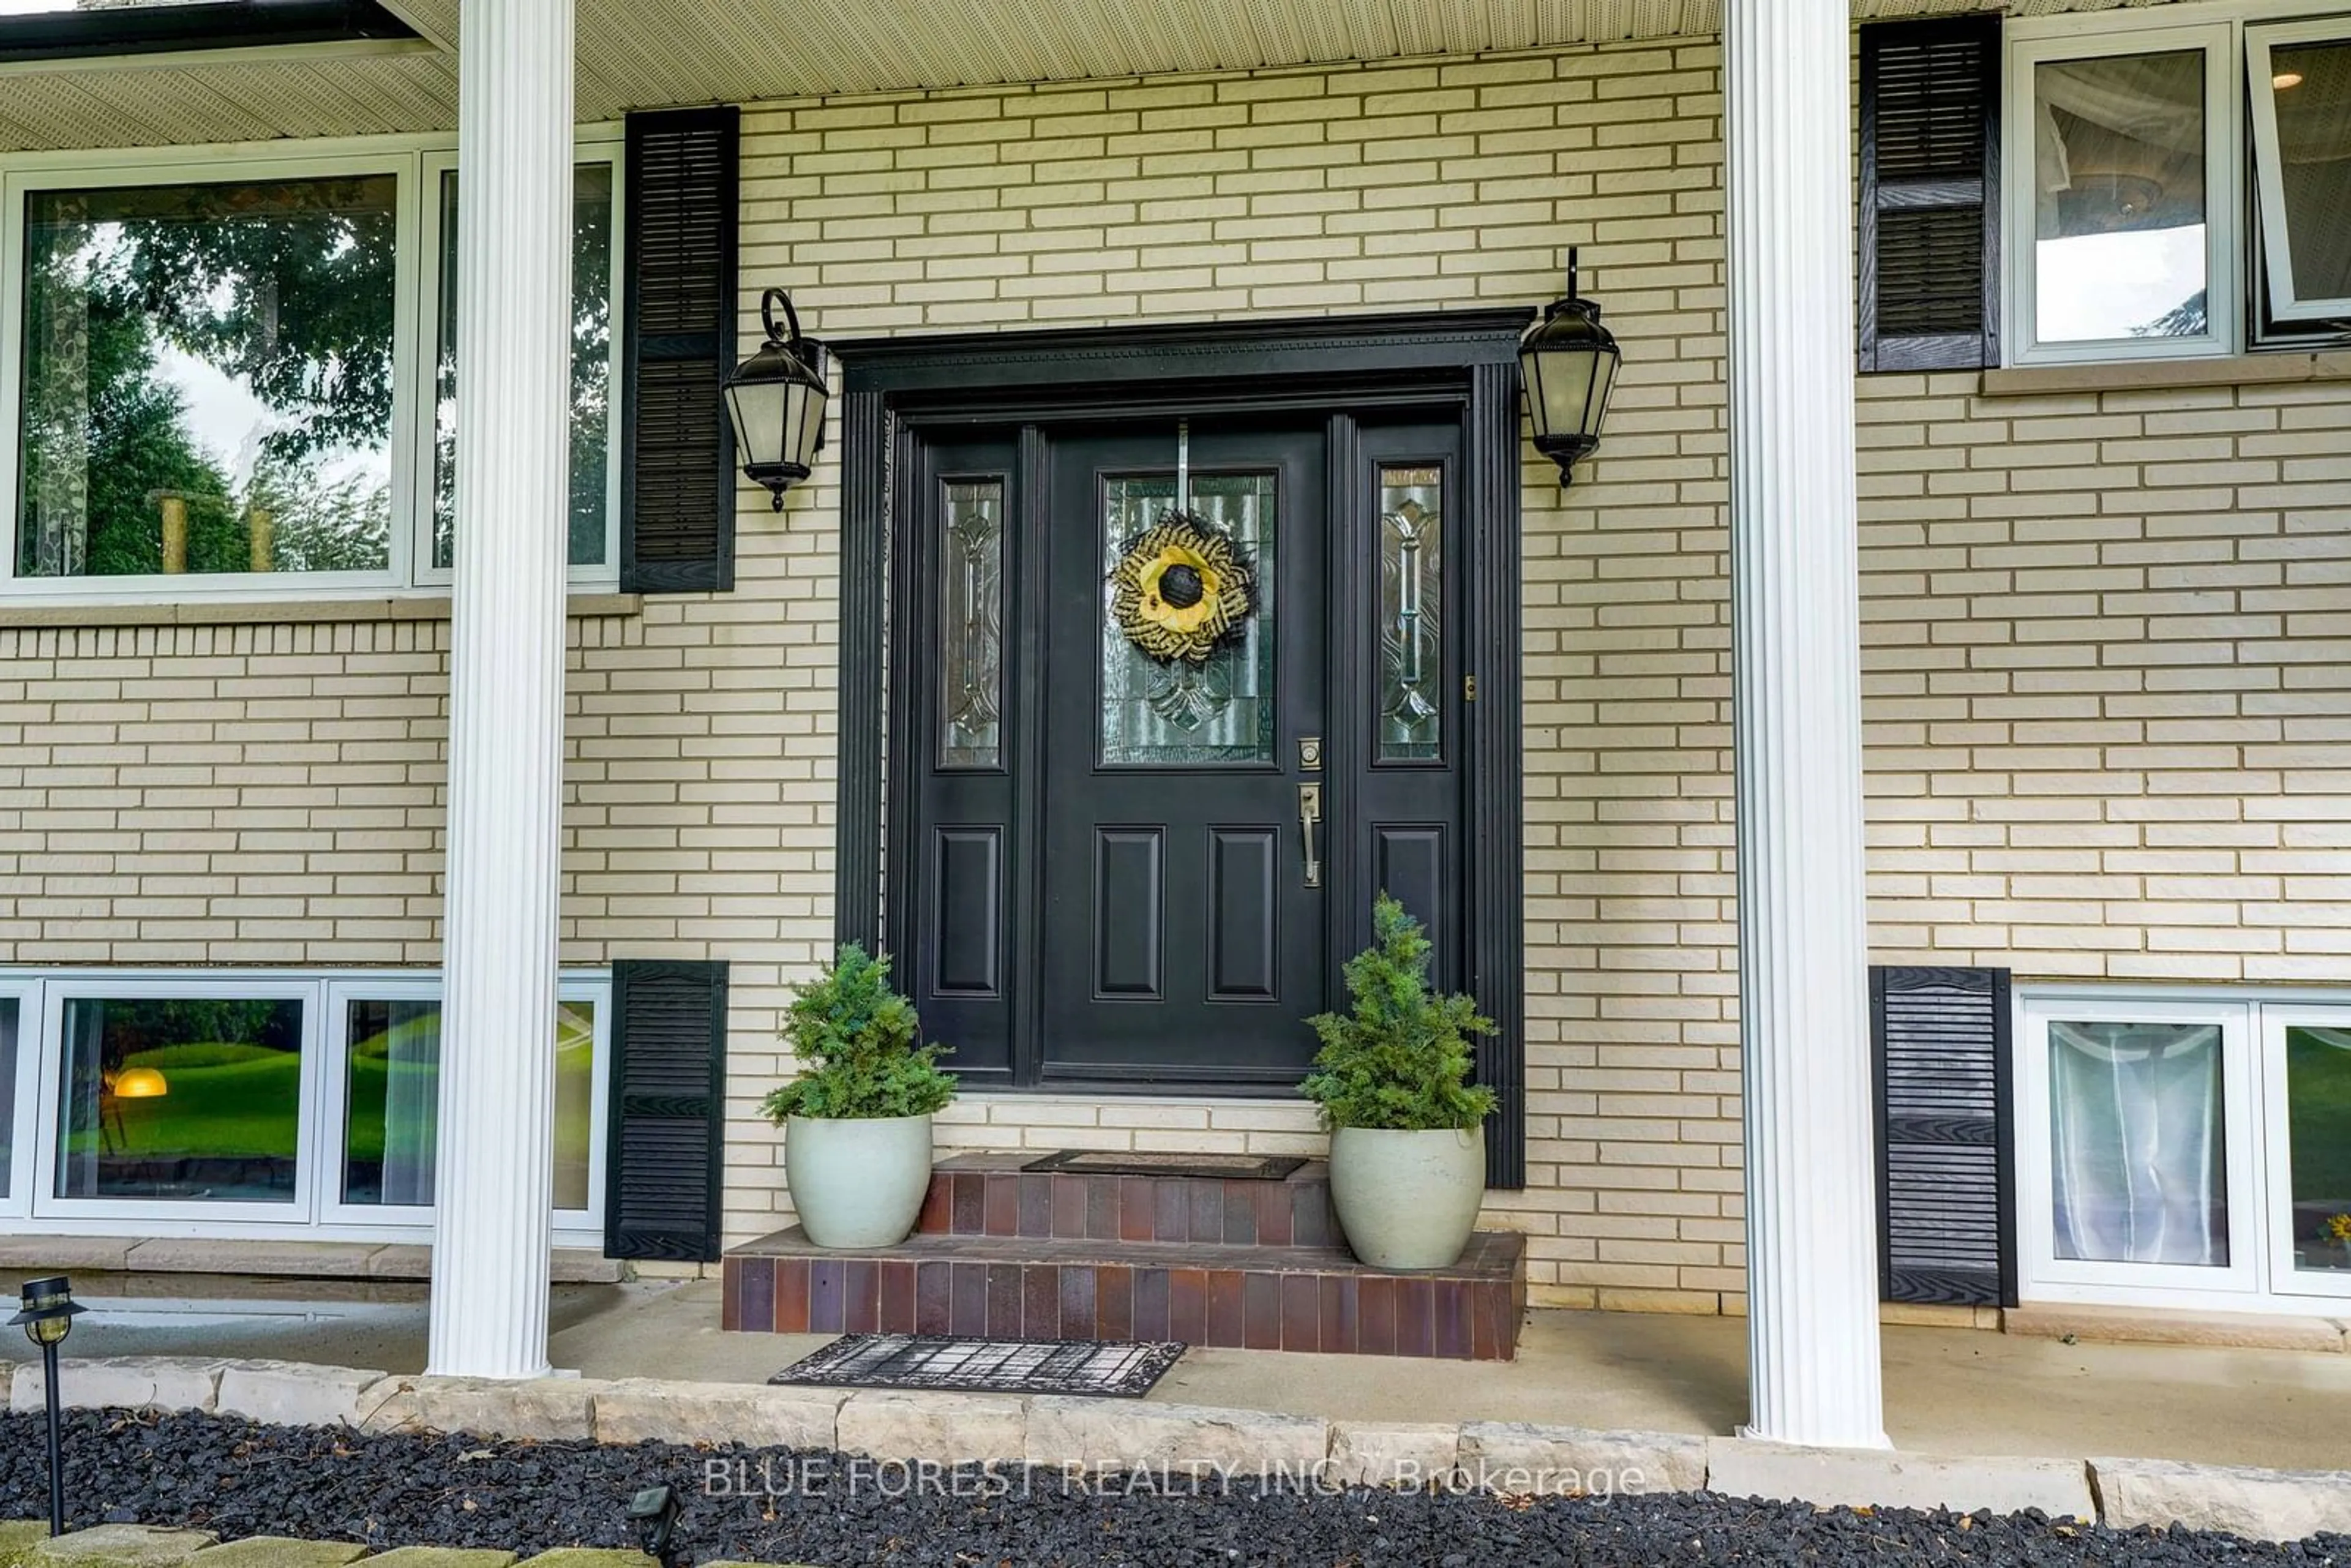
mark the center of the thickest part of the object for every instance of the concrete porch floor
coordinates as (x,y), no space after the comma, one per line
(1948,1390)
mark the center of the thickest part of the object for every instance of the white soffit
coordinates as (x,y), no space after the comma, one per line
(644,54)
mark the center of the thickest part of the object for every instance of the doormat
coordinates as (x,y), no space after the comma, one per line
(1112,1369)
(1231,1167)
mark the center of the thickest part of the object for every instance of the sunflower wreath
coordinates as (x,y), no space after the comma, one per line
(1181,590)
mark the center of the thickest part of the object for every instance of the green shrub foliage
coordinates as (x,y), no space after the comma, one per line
(857,1036)
(1400,1060)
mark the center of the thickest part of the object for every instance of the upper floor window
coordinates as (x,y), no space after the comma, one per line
(221,380)
(2130,155)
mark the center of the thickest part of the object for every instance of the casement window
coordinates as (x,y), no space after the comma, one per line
(230,369)
(2178,1151)
(2158,184)
(211,1102)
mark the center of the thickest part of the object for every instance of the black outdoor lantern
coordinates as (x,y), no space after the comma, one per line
(776,400)
(47,1318)
(1568,360)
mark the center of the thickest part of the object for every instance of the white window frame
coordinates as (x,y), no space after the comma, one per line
(318,1212)
(100,985)
(415,314)
(2285,1280)
(2269,174)
(591,145)
(583,1226)
(16,1190)
(2104,37)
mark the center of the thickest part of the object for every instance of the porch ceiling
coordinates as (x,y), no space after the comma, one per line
(639,54)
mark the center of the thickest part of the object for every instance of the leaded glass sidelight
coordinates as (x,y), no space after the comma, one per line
(1178,713)
(1410,721)
(971,623)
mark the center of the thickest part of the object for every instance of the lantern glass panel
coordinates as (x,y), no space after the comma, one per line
(758,410)
(1566,386)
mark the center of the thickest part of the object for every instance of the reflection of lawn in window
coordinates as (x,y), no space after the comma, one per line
(2318,1118)
(370,1074)
(223,1102)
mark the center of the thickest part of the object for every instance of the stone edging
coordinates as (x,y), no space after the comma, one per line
(27,1544)
(1085,1436)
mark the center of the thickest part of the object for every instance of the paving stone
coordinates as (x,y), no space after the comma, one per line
(279,1551)
(293,1259)
(65,1254)
(637,1410)
(121,1546)
(121,1382)
(544,1407)
(442,1557)
(1521,1458)
(590,1557)
(294,1394)
(1402,1454)
(2266,1505)
(1109,1435)
(893,1424)
(1866,1478)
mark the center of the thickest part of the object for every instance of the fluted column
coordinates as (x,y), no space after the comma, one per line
(494,1183)
(1812,1270)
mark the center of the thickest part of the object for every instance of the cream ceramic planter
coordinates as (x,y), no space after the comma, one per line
(859,1181)
(1407,1200)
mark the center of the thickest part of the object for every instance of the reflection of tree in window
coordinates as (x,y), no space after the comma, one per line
(258,315)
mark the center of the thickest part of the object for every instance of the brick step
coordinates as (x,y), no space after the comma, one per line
(1253,1296)
(991,1195)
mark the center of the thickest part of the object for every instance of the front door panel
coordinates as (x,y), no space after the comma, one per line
(1181,938)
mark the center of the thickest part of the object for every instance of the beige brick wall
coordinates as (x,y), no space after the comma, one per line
(2109,665)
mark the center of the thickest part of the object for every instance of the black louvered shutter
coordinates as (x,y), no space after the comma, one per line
(1946,1136)
(677,461)
(1930,194)
(666,1142)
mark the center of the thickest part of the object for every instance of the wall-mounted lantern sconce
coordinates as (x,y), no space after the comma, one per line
(1568,361)
(776,400)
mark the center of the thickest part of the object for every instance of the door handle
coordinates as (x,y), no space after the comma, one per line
(1309,812)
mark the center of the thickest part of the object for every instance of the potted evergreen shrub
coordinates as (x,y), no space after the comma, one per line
(1407,1134)
(857,1120)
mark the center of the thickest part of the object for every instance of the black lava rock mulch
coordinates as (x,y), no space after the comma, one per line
(238,1479)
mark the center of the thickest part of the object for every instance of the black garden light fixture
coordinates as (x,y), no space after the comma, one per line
(1568,361)
(776,400)
(653,1512)
(48,1317)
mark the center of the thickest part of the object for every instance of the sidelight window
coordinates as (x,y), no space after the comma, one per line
(971,623)
(1411,717)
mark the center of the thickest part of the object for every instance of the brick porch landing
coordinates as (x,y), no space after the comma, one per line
(1250,1265)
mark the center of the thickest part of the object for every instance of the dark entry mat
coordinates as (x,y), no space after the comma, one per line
(1231,1167)
(1113,1369)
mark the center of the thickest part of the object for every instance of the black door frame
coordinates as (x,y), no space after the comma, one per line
(894,387)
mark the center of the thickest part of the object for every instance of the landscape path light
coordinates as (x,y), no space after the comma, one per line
(48,1317)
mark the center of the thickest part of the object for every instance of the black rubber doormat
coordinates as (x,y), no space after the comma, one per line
(1113,1369)
(1231,1167)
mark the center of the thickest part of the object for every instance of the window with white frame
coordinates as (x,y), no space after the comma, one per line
(238,1103)
(2125,143)
(2184,1151)
(241,369)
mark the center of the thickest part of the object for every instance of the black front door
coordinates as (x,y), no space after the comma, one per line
(1128,869)
(1184,829)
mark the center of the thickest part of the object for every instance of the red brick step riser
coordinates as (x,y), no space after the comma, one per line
(1041,1204)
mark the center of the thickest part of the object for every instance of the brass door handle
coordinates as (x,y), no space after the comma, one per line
(1309,812)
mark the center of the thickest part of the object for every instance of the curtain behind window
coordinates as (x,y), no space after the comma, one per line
(2138,1160)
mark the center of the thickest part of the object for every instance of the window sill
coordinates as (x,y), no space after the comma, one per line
(280,611)
(2144,375)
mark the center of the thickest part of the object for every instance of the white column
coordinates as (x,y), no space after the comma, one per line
(1811,1269)
(505,702)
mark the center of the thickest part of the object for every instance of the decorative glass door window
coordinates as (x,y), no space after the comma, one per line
(181,1099)
(971,623)
(1178,713)
(1411,717)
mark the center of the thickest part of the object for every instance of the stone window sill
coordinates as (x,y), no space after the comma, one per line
(281,613)
(2145,376)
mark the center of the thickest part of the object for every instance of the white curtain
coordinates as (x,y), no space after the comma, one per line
(2138,1158)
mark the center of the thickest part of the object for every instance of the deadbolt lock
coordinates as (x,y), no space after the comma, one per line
(1310,754)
